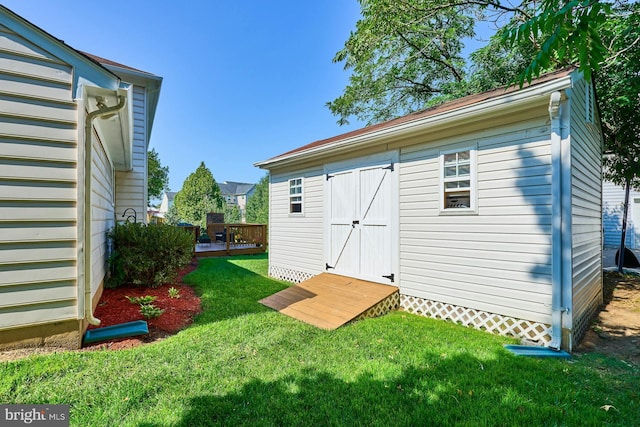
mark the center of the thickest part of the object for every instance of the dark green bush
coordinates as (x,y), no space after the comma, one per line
(148,255)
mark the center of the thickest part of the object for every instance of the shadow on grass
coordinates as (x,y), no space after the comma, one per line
(437,393)
(230,287)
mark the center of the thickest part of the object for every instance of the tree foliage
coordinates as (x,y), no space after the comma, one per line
(232,214)
(258,203)
(172,217)
(562,32)
(406,55)
(157,176)
(199,195)
(618,88)
(402,54)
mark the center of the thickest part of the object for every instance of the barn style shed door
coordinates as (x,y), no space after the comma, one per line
(361,214)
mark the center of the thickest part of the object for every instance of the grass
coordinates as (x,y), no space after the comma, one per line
(244,364)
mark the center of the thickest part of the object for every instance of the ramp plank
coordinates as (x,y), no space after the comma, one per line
(329,301)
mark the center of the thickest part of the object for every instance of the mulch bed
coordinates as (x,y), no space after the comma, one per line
(114,308)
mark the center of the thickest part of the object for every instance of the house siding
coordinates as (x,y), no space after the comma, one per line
(586,218)
(303,232)
(498,260)
(102,212)
(612,211)
(131,186)
(38,188)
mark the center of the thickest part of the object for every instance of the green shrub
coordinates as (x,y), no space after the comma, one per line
(147,299)
(150,311)
(148,255)
(174,293)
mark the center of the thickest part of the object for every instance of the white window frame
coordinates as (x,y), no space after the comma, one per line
(296,183)
(473,181)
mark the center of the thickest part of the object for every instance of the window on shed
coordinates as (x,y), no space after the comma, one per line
(457,176)
(295,195)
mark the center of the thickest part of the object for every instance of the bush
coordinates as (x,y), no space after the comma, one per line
(148,255)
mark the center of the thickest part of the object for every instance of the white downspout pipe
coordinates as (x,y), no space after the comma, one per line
(557,224)
(88,163)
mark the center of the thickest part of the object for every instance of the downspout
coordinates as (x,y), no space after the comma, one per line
(88,163)
(557,221)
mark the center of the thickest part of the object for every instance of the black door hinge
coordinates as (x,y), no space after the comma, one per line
(390,167)
(390,277)
(327,266)
(329,177)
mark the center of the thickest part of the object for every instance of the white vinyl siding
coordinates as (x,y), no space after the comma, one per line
(612,211)
(131,186)
(102,212)
(586,159)
(296,241)
(500,259)
(38,188)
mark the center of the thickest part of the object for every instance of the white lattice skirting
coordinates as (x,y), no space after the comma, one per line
(388,304)
(288,275)
(478,319)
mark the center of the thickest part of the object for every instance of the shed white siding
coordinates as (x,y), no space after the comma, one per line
(131,186)
(38,159)
(498,260)
(586,209)
(296,250)
(612,211)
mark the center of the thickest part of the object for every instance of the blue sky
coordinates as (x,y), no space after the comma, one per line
(243,80)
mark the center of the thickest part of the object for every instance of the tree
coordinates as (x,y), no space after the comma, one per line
(406,55)
(232,214)
(618,88)
(401,55)
(172,217)
(157,176)
(567,31)
(199,195)
(258,203)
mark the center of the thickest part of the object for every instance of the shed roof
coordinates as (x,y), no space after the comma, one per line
(453,106)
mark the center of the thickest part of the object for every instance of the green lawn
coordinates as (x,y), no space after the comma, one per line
(244,364)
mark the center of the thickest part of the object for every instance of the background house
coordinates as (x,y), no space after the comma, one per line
(74,131)
(166,203)
(612,212)
(237,194)
(485,210)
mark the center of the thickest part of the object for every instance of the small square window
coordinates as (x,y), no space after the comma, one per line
(295,196)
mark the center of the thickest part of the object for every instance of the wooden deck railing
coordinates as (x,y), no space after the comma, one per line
(235,239)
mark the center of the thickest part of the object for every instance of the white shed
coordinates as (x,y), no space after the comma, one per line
(485,210)
(74,131)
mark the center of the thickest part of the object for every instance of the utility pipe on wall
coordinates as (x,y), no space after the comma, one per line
(88,163)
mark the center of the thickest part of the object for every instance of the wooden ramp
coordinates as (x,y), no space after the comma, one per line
(328,301)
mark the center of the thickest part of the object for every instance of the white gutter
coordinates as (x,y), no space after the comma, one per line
(557,241)
(489,106)
(88,163)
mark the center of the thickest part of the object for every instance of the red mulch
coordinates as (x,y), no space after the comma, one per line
(114,308)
